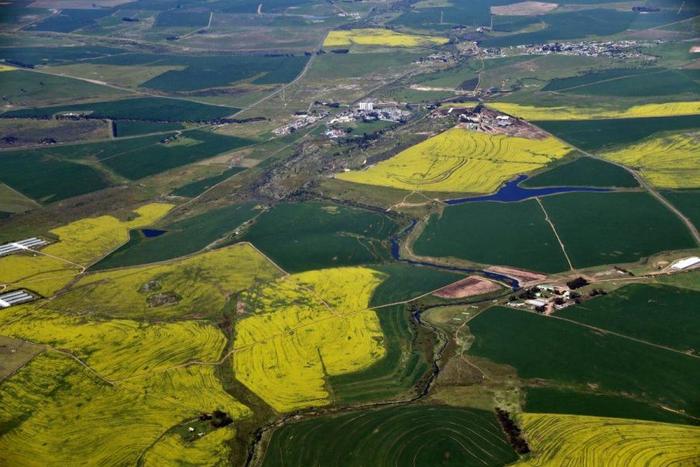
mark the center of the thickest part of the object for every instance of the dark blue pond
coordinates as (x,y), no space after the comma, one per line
(150,233)
(512,192)
(396,254)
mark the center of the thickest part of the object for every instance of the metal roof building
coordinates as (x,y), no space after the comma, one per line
(15,298)
(21,245)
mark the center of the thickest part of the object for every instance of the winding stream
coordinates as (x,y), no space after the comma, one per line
(396,254)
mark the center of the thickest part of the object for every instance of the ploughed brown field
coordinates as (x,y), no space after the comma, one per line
(467,287)
(523,276)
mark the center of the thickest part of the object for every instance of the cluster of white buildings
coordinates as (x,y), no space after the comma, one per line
(300,121)
(617,49)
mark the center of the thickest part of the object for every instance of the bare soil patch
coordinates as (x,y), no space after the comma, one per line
(467,287)
(523,9)
(14,354)
(488,121)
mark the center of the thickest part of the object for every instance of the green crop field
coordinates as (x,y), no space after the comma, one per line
(37,175)
(418,436)
(583,171)
(407,282)
(182,19)
(70,20)
(211,71)
(136,127)
(198,187)
(514,234)
(604,228)
(594,135)
(141,108)
(653,82)
(181,238)
(590,22)
(301,237)
(628,81)
(576,355)
(53,55)
(660,314)
(552,400)
(396,374)
(226,282)
(688,201)
(336,66)
(445,15)
(459,77)
(26,88)
(136,158)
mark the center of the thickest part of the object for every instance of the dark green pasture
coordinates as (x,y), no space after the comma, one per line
(556,400)
(182,19)
(595,135)
(588,22)
(26,88)
(660,314)
(198,187)
(208,71)
(312,235)
(141,108)
(591,77)
(69,20)
(419,436)
(38,175)
(55,55)
(616,227)
(136,158)
(398,372)
(406,282)
(514,234)
(181,238)
(649,83)
(583,171)
(688,202)
(138,127)
(562,352)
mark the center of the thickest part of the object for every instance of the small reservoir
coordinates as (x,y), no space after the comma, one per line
(512,192)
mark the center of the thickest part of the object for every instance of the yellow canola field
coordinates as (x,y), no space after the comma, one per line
(460,160)
(79,244)
(667,162)
(56,411)
(380,37)
(529,112)
(303,328)
(582,441)
(197,286)
(212,449)
(116,349)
